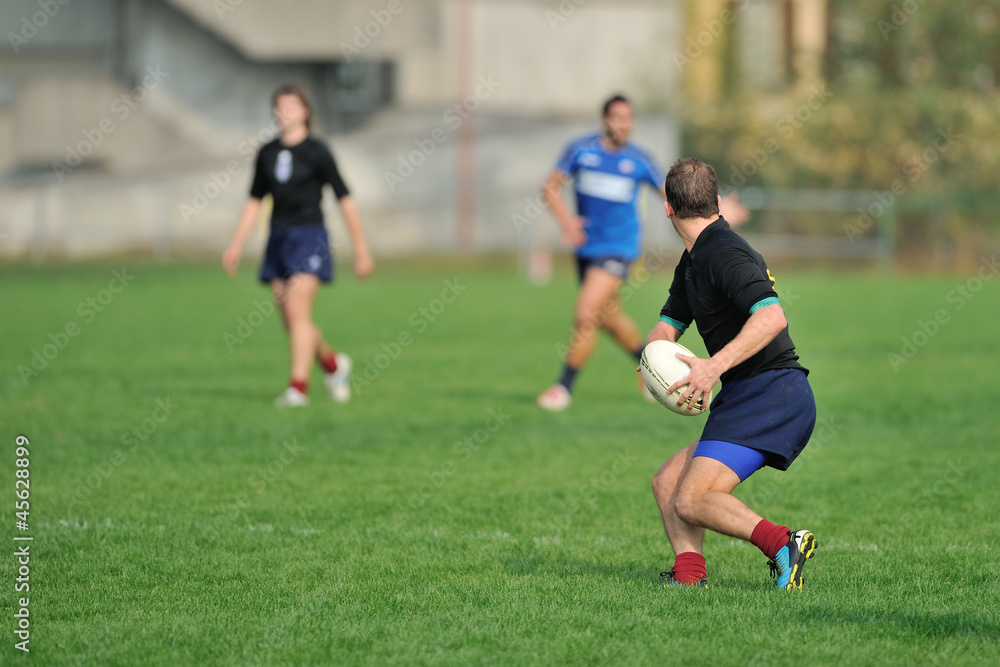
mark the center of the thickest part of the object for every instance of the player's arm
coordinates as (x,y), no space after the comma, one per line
(664,330)
(364,265)
(248,219)
(572,225)
(732,210)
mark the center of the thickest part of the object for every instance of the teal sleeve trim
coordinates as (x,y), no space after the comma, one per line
(680,326)
(769,301)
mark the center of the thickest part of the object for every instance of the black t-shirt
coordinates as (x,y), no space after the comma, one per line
(294,176)
(717,284)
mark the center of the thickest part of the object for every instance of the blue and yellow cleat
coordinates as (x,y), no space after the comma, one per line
(786,567)
(667,581)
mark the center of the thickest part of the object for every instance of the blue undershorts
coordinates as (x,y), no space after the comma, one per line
(741,460)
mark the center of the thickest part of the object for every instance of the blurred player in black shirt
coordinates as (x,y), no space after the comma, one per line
(293,169)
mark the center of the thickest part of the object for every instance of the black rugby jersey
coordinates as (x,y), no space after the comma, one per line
(294,176)
(716,284)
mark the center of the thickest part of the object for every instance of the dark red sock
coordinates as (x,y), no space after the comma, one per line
(329,363)
(689,568)
(769,538)
(301,385)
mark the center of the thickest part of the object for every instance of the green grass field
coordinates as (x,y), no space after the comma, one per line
(440,517)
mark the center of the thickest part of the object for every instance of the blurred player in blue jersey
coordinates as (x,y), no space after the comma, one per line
(607,172)
(293,169)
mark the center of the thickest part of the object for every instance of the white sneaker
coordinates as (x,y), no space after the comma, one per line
(292,398)
(338,383)
(555,399)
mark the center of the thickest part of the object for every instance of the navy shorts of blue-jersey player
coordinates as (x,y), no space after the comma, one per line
(765,412)
(293,169)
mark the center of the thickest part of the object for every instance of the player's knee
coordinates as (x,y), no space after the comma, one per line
(663,484)
(685,505)
(587,319)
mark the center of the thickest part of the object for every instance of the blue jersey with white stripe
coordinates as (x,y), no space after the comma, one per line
(606,183)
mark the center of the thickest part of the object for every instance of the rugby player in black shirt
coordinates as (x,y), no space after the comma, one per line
(293,169)
(765,411)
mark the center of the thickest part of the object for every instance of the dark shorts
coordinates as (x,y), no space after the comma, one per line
(297,249)
(616,265)
(774,413)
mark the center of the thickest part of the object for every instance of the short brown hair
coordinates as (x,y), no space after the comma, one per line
(299,92)
(692,189)
(615,99)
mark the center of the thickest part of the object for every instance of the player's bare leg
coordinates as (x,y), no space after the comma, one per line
(686,539)
(598,288)
(683,536)
(278,294)
(336,366)
(705,499)
(695,493)
(625,332)
(299,296)
(620,326)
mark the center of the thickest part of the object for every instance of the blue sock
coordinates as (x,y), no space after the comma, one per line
(568,377)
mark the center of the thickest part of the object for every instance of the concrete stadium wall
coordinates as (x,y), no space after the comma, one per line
(127,125)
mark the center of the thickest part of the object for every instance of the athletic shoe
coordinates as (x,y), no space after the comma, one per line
(786,566)
(555,399)
(292,398)
(667,581)
(338,382)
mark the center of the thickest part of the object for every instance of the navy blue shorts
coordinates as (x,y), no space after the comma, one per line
(774,413)
(297,249)
(616,265)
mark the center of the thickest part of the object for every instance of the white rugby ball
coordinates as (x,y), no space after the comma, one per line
(660,368)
